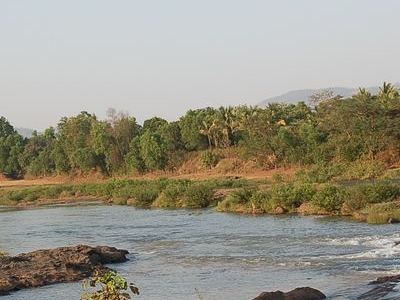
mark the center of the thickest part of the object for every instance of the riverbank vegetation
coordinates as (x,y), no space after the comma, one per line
(345,153)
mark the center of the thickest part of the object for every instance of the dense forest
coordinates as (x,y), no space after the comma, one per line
(363,129)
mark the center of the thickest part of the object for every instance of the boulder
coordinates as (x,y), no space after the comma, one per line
(303,293)
(64,264)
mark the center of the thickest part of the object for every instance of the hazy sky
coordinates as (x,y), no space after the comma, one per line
(59,57)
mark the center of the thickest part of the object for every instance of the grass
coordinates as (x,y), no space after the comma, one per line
(372,199)
(160,193)
(383,213)
(237,201)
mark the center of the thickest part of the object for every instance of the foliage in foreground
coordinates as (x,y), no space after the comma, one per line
(112,286)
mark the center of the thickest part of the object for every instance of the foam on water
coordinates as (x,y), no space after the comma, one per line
(375,246)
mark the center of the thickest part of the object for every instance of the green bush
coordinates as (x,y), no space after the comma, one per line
(197,195)
(238,200)
(319,173)
(329,198)
(261,202)
(172,196)
(144,195)
(97,189)
(53,191)
(363,169)
(291,195)
(358,197)
(355,199)
(382,192)
(17,195)
(31,196)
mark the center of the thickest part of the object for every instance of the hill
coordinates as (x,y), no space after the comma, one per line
(303,95)
(25,132)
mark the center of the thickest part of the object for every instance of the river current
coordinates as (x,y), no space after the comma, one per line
(202,254)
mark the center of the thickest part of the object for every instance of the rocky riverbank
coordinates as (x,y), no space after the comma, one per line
(64,264)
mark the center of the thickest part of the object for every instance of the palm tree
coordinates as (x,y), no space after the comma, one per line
(388,92)
(363,95)
(224,119)
(207,130)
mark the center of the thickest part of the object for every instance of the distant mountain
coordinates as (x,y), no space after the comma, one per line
(25,132)
(303,95)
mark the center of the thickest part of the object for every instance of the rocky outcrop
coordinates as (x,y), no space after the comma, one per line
(64,264)
(303,293)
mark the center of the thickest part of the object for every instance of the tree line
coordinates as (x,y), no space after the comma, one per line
(329,129)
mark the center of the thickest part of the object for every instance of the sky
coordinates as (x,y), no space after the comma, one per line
(161,58)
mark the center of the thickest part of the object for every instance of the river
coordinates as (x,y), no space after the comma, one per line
(202,254)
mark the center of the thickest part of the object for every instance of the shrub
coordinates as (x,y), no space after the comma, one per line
(261,202)
(290,196)
(31,196)
(319,173)
(358,197)
(172,196)
(197,195)
(98,189)
(355,199)
(17,195)
(53,191)
(144,195)
(238,200)
(329,198)
(363,169)
(382,192)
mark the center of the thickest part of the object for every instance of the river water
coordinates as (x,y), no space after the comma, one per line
(202,254)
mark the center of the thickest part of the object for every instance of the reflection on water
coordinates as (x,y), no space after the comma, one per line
(180,254)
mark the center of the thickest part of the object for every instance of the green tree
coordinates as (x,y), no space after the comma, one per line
(11,148)
(38,155)
(6,129)
(74,136)
(124,130)
(153,151)
(191,125)
(134,158)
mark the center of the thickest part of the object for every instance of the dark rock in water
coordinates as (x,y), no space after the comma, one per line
(384,279)
(377,292)
(303,293)
(64,264)
(384,288)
